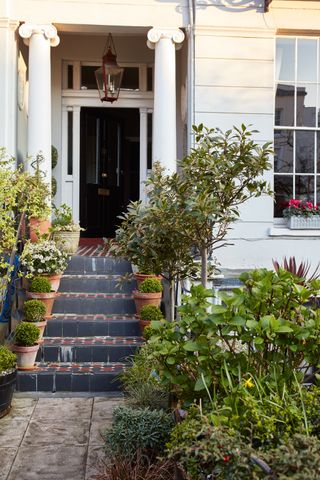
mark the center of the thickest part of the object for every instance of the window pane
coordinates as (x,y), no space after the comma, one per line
(88,79)
(285,59)
(307,60)
(283,188)
(283,151)
(285,105)
(70,76)
(149,79)
(317,200)
(318,152)
(306,105)
(130,79)
(70,143)
(149,147)
(304,152)
(305,187)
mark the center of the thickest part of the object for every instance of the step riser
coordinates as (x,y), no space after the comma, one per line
(67,382)
(93,328)
(85,353)
(97,265)
(84,306)
(87,285)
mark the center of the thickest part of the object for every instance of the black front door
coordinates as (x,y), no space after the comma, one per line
(109,167)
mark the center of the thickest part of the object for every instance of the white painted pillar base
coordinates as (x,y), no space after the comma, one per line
(164,142)
(39,38)
(8,85)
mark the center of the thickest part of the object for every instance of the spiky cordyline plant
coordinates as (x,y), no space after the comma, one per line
(300,270)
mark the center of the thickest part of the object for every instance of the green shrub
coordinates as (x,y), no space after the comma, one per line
(40,285)
(34,311)
(138,430)
(271,326)
(298,458)
(150,285)
(151,313)
(26,334)
(202,450)
(7,359)
(142,386)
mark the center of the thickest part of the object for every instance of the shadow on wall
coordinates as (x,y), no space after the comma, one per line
(226,5)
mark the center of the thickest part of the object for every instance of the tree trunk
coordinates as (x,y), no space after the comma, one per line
(172,301)
(204,267)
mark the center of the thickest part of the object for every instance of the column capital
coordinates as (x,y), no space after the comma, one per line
(157,33)
(49,31)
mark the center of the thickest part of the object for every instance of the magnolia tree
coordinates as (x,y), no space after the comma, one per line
(188,214)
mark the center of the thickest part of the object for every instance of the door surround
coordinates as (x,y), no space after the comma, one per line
(72,101)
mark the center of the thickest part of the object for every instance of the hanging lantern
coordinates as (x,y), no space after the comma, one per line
(109,75)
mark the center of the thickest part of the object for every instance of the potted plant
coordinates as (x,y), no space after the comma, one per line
(26,345)
(149,313)
(302,215)
(65,232)
(40,290)
(35,312)
(8,373)
(149,293)
(37,204)
(45,259)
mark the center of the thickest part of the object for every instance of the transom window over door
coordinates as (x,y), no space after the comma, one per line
(297,121)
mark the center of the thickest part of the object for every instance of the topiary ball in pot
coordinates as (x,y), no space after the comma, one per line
(8,359)
(40,285)
(34,311)
(151,313)
(151,285)
(26,334)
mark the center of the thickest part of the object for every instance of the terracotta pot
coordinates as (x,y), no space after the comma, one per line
(67,241)
(54,281)
(46,298)
(142,299)
(143,324)
(38,226)
(140,277)
(26,356)
(41,326)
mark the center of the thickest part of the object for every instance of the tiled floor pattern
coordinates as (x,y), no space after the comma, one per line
(52,438)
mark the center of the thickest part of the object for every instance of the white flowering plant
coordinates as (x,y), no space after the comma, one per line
(43,258)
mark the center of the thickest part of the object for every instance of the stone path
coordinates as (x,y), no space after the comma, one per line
(51,438)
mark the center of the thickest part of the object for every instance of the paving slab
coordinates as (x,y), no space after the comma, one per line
(22,407)
(60,431)
(50,462)
(12,430)
(103,408)
(96,457)
(96,433)
(6,459)
(66,408)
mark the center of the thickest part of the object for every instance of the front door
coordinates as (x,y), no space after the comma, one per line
(109,167)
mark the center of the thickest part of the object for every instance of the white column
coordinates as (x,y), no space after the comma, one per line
(164,141)
(8,85)
(39,38)
(76,163)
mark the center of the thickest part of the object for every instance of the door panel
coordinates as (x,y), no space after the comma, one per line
(106,180)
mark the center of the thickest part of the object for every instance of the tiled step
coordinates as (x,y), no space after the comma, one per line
(98,266)
(92,325)
(96,284)
(94,303)
(87,349)
(71,377)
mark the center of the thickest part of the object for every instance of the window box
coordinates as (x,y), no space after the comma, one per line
(304,223)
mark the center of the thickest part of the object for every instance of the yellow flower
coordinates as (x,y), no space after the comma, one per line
(249,383)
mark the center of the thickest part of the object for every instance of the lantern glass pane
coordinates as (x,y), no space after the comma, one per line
(99,79)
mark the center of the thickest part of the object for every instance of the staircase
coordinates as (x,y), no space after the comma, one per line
(92,332)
